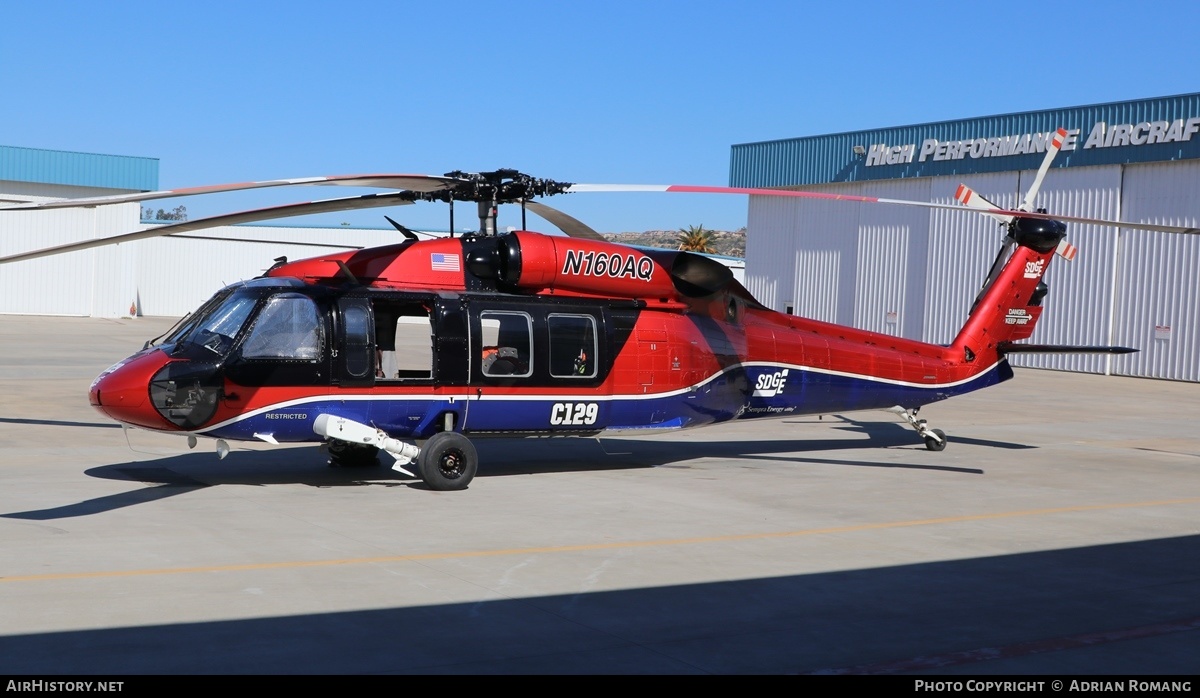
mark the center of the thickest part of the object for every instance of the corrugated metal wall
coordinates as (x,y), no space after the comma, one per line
(851,264)
(893,243)
(67,284)
(1158,309)
(815,291)
(771,256)
(814,245)
(881,273)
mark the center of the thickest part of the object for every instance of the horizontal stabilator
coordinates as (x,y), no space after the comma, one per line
(1012,348)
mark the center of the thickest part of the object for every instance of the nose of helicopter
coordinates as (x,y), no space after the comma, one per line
(122,392)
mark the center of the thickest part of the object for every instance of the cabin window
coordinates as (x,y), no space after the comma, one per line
(288,327)
(572,346)
(506,344)
(403,340)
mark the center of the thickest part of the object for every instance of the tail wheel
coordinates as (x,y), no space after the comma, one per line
(448,461)
(934,444)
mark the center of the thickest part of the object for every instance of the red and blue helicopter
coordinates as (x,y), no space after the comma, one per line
(418,347)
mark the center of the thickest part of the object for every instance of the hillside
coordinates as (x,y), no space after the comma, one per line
(732,244)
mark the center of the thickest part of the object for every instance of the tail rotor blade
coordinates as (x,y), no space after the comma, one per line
(968,197)
(1055,145)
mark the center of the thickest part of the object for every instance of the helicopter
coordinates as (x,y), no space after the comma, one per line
(418,347)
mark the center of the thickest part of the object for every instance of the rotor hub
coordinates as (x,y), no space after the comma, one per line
(496,187)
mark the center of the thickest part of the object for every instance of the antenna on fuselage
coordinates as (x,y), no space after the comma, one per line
(404,231)
(349,274)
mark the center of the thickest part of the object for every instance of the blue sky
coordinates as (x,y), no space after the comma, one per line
(613,92)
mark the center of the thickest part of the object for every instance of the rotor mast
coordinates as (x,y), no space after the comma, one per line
(487,217)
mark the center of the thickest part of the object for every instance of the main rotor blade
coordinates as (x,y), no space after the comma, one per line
(262,214)
(822,196)
(421,183)
(571,226)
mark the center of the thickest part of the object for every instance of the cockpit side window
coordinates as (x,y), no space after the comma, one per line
(288,327)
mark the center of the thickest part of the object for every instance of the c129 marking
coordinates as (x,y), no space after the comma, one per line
(574,414)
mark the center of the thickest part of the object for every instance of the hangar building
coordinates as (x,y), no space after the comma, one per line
(914,272)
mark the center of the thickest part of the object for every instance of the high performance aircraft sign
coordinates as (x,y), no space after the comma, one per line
(1100,135)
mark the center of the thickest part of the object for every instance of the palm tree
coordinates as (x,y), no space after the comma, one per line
(695,238)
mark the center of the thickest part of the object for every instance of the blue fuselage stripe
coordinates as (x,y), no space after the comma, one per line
(745,392)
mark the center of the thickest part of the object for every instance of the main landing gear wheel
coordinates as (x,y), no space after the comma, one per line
(934,444)
(448,461)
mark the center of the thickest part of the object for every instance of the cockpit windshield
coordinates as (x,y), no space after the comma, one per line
(217,323)
(187,323)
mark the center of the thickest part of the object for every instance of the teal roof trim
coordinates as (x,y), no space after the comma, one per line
(78,169)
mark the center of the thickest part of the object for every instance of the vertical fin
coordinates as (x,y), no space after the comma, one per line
(1009,307)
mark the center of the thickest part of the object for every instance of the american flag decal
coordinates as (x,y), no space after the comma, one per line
(444,262)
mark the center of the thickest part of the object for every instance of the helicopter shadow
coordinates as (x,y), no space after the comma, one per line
(632,454)
(59,423)
(885,431)
(176,475)
(626,452)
